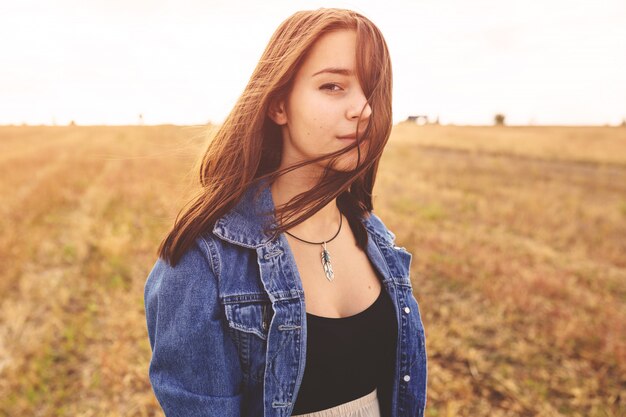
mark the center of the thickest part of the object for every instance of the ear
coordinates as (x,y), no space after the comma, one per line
(277,112)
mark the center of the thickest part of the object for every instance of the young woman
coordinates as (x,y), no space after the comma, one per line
(279,292)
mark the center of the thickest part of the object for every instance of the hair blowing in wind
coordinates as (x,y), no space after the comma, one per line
(248,145)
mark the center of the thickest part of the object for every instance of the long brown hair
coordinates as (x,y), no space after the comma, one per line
(247,147)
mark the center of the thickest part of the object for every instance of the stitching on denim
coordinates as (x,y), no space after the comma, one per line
(219,231)
(212,258)
(273,254)
(288,327)
(246,329)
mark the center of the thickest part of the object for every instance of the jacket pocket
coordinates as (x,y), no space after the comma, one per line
(249,318)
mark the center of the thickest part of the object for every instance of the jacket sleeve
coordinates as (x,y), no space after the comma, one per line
(194,369)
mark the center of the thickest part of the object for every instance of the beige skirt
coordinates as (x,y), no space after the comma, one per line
(366,406)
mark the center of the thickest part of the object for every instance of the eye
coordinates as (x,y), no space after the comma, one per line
(330,86)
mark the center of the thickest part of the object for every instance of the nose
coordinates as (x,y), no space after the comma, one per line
(358,104)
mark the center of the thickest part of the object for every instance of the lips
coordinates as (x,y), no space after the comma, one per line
(351,136)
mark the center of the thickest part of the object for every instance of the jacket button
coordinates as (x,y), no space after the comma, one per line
(407,378)
(407,310)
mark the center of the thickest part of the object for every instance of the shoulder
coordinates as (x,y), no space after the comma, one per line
(376,225)
(197,267)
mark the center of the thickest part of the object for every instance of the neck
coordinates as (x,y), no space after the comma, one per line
(322,225)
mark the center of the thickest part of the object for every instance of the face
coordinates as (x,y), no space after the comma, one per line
(324,105)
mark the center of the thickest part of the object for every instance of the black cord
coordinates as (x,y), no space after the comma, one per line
(320,243)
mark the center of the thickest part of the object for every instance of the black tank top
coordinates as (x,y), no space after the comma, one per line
(348,357)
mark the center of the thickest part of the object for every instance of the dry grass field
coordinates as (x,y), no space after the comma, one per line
(518,236)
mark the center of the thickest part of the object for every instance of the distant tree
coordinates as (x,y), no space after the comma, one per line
(623,123)
(72,123)
(499,119)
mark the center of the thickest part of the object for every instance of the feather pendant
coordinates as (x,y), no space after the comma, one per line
(328,268)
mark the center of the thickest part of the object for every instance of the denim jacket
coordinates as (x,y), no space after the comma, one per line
(227,324)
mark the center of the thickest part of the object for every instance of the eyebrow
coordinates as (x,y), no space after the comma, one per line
(334,70)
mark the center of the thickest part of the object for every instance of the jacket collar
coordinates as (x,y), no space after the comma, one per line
(244,224)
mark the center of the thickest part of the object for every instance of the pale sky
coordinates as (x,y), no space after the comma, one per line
(187,61)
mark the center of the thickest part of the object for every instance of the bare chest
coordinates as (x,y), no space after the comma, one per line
(355,285)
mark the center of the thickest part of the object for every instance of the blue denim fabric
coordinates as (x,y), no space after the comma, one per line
(227,325)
